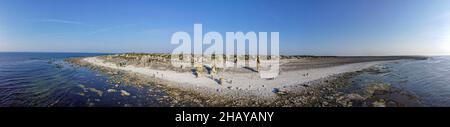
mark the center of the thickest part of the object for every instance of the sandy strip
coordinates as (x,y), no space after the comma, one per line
(242,83)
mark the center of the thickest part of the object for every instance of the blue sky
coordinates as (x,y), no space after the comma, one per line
(313,27)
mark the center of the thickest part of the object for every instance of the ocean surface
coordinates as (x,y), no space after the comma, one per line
(45,79)
(429,79)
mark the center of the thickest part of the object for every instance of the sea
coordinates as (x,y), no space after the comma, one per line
(46,80)
(428,80)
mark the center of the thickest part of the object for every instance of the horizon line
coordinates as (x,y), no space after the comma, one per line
(170,53)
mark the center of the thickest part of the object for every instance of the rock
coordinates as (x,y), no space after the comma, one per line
(197,101)
(329,97)
(392,104)
(349,104)
(91,104)
(378,88)
(111,90)
(98,92)
(278,91)
(124,93)
(324,103)
(354,96)
(275,90)
(81,86)
(59,66)
(379,103)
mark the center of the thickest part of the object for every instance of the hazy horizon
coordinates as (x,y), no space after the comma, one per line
(306,27)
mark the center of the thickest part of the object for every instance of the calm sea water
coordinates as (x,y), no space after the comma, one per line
(428,79)
(44,79)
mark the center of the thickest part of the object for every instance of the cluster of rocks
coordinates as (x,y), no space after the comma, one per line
(156,61)
(335,92)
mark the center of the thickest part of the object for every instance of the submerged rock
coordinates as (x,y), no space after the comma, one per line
(81,86)
(98,92)
(111,90)
(379,103)
(370,90)
(124,93)
(91,104)
(59,66)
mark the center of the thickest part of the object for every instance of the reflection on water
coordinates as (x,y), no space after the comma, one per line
(427,79)
(44,79)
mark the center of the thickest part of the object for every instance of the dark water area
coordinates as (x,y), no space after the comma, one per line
(45,79)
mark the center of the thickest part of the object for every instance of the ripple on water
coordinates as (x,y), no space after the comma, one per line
(428,79)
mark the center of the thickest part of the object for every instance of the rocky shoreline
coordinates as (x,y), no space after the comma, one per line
(334,91)
(325,92)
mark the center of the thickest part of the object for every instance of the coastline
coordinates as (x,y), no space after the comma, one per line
(300,87)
